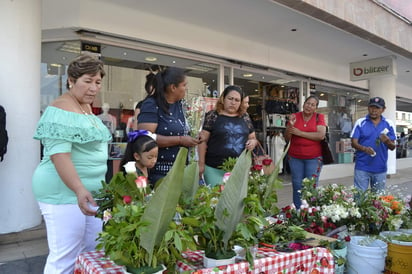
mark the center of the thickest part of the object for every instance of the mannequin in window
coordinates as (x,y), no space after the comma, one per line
(132,121)
(108,119)
(345,125)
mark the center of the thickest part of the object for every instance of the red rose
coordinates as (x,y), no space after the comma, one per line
(127,199)
(286,208)
(347,238)
(258,167)
(267,162)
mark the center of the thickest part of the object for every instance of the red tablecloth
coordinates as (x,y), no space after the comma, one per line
(94,262)
(310,261)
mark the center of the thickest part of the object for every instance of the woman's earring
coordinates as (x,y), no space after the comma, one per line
(70,86)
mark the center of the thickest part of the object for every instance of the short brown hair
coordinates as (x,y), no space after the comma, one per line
(84,64)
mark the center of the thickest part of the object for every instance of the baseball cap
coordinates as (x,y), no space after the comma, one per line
(377,102)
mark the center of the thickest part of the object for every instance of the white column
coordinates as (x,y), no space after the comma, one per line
(20,54)
(385,87)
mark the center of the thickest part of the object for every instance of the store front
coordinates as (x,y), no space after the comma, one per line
(273,94)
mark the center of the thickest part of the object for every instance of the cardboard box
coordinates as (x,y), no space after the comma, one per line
(344,145)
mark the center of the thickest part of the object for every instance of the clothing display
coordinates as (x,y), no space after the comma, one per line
(108,120)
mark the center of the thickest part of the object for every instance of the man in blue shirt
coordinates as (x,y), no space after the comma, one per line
(372,136)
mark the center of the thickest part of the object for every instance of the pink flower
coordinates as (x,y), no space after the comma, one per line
(127,199)
(226,177)
(141,182)
(107,215)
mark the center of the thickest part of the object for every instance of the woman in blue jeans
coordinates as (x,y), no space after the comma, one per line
(305,130)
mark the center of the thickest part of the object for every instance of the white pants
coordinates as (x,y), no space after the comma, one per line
(69,232)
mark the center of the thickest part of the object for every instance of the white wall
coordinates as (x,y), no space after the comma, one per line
(20,96)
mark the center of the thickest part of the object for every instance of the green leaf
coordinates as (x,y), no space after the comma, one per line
(190,181)
(272,182)
(231,200)
(162,206)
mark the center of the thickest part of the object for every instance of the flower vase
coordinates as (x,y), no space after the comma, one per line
(210,262)
(339,253)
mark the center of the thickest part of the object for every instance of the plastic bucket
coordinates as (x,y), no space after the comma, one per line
(368,259)
(399,259)
(339,269)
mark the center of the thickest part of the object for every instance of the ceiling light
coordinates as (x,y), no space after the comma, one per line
(173,62)
(150,58)
(124,53)
(322,94)
(247,75)
(359,100)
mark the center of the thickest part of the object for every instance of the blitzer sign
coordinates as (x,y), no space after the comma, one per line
(372,68)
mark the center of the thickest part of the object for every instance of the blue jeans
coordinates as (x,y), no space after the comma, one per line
(301,169)
(362,179)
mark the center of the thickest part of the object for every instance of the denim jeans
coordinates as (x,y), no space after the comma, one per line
(301,169)
(362,179)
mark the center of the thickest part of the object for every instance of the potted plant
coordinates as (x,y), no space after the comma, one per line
(139,231)
(218,214)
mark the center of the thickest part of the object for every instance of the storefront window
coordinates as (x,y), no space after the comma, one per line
(341,109)
(126,70)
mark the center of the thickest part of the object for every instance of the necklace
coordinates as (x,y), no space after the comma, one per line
(78,104)
(87,114)
(306,120)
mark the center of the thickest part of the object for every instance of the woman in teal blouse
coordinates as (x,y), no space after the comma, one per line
(74,164)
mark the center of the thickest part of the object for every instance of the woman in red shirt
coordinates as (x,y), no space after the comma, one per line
(305,130)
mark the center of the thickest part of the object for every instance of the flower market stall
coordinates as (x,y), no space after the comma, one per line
(182,225)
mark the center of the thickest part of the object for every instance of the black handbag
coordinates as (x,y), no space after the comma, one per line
(326,152)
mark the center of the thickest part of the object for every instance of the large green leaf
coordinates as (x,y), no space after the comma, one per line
(272,182)
(190,181)
(229,209)
(162,206)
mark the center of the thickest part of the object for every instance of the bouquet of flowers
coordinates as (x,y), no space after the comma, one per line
(328,207)
(195,114)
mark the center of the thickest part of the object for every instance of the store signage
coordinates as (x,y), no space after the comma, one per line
(372,68)
(95,48)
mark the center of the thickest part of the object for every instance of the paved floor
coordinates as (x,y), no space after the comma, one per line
(25,252)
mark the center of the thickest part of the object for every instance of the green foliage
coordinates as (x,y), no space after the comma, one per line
(162,206)
(282,234)
(229,210)
(142,233)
